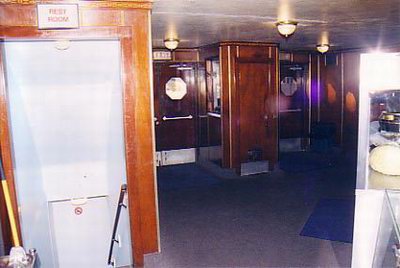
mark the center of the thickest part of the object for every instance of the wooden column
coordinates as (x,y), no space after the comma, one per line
(263,57)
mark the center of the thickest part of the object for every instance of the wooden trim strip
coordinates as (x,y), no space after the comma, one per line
(309,96)
(121,4)
(243,43)
(5,143)
(230,107)
(255,60)
(342,101)
(130,157)
(318,88)
(27,32)
(5,223)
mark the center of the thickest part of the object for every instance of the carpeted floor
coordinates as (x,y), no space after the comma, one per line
(306,161)
(181,177)
(253,221)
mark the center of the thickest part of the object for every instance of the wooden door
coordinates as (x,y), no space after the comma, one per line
(257,111)
(175,120)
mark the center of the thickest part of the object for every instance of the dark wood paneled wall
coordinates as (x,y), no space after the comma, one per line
(334,90)
(128,21)
(185,55)
(203,130)
(351,81)
(331,92)
(214,131)
(179,55)
(314,85)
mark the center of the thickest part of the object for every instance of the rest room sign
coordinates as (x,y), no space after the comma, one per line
(55,16)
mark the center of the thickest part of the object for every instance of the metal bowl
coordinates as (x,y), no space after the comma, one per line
(389,122)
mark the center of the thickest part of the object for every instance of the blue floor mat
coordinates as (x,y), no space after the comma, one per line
(184,176)
(332,219)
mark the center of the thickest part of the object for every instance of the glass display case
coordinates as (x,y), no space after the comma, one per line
(387,249)
(379,122)
(378,166)
(384,140)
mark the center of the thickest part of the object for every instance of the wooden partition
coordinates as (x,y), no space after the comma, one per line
(249,89)
(128,21)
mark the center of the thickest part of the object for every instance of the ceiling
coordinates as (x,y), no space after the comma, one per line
(345,24)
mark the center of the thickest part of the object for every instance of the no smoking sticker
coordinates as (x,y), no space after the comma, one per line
(78,210)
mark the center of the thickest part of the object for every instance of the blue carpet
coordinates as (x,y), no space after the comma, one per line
(304,161)
(332,219)
(185,176)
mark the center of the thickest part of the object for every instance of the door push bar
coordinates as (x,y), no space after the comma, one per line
(116,221)
(177,118)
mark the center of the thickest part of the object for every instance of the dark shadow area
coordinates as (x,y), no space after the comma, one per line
(306,161)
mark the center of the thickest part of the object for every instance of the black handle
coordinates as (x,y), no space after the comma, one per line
(116,221)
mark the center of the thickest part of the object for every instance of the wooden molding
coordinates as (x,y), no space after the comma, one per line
(6,156)
(12,33)
(244,43)
(262,60)
(121,4)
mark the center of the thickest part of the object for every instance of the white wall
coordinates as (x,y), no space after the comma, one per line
(66,116)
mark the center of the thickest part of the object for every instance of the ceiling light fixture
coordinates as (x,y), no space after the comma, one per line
(322,48)
(181,66)
(286,27)
(171,43)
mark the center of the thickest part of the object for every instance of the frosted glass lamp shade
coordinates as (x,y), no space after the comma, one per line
(323,48)
(286,28)
(171,44)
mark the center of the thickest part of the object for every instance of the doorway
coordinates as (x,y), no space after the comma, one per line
(294,112)
(65,106)
(175,112)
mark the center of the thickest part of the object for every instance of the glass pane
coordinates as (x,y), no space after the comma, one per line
(216,86)
(387,239)
(387,244)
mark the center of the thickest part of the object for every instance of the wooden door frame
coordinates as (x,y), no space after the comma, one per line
(124,35)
